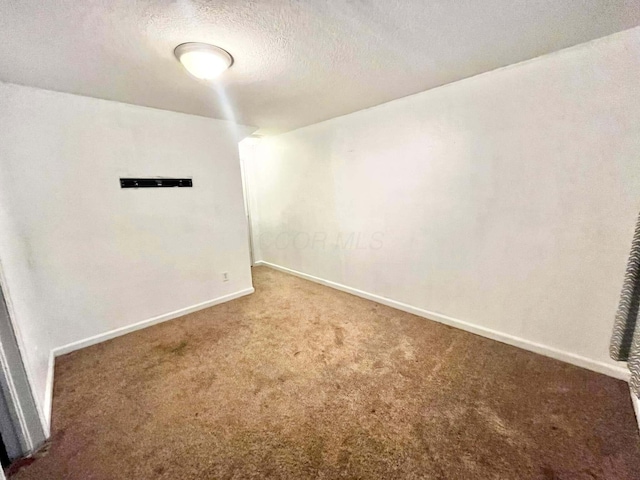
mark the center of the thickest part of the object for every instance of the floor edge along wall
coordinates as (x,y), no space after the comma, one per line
(599,367)
(614,371)
(87,342)
(620,372)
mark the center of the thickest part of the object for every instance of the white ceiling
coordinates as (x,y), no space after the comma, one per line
(297,62)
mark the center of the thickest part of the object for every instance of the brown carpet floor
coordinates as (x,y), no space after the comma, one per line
(301,381)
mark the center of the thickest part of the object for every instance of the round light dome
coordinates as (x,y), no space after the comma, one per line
(203,60)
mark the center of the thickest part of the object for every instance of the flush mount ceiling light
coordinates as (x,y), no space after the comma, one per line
(203,60)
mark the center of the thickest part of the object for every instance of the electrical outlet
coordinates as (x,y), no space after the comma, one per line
(225,276)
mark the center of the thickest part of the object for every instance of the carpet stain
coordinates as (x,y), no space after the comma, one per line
(299,381)
(177,349)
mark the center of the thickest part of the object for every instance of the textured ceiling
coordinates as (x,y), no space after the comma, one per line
(296,62)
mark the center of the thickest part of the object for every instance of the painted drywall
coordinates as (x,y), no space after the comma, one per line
(81,256)
(507,201)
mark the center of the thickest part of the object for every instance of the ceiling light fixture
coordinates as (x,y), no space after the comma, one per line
(202,60)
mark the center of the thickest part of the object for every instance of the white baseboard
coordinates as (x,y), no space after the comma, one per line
(87,342)
(102,337)
(618,372)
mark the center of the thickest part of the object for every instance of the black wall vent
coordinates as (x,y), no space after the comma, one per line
(155,182)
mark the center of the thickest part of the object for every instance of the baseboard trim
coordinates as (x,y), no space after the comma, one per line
(618,372)
(102,337)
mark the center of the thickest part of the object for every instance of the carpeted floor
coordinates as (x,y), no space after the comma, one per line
(301,381)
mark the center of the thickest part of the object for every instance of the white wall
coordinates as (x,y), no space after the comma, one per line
(507,200)
(81,256)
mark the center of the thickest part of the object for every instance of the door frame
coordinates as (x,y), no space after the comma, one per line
(20,420)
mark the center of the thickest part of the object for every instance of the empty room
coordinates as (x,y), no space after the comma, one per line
(319,239)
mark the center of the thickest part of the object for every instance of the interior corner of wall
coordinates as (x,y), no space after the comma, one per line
(244,131)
